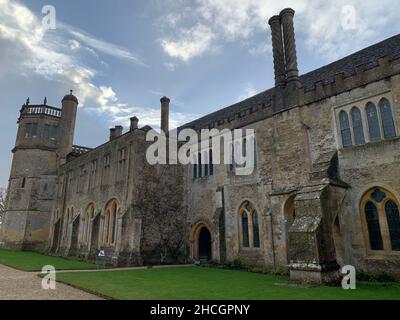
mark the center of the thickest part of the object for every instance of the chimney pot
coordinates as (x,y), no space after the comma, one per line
(277,49)
(112,134)
(292,71)
(165,114)
(134,123)
(118,131)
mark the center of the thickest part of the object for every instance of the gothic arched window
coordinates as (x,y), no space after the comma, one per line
(389,130)
(358,129)
(393,220)
(249,225)
(256,235)
(374,230)
(373,122)
(245,230)
(381,215)
(345,129)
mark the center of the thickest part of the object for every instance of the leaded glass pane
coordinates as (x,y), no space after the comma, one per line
(389,130)
(373,123)
(256,234)
(374,231)
(393,219)
(358,129)
(245,230)
(345,129)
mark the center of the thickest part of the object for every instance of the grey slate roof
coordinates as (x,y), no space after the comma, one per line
(367,57)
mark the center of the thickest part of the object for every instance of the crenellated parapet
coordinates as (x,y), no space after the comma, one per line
(362,75)
(316,86)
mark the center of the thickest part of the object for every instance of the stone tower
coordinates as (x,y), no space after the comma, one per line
(44,140)
(67,126)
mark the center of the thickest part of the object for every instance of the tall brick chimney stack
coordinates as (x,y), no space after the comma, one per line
(165,114)
(116,132)
(277,49)
(134,123)
(292,71)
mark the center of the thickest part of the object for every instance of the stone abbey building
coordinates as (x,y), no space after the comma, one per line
(325,191)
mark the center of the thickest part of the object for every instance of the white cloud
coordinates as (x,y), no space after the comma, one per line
(191,43)
(103,46)
(121,114)
(27,50)
(73,44)
(319,24)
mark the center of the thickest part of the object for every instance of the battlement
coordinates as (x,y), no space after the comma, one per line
(363,74)
(375,63)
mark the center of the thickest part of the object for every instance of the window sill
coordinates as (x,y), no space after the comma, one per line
(382,255)
(369,144)
(201,179)
(250,249)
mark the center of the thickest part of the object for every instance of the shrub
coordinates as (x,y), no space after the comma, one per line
(382,277)
(236,264)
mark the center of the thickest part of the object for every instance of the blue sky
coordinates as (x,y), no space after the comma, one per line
(121,56)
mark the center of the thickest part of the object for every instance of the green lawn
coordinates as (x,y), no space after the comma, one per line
(32,261)
(206,283)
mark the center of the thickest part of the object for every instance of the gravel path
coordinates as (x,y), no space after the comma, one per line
(20,285)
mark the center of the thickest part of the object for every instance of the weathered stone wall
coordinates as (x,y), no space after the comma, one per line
(31,187)
(295,148)
(150,215)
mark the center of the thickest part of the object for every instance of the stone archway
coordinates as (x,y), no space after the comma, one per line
(337,238)
(201,242)
(289,215)
(74,238)
(204,244)
(56,236)
(94,241)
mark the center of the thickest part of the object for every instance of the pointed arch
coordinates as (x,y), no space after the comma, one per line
(381,218)
(110,222)
(249,225)
(89,214)
(393,219)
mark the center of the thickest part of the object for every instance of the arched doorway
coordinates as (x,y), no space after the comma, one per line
(56,236)
(74,239)
(289,215)
(204,244)
(94,241)
(337,238)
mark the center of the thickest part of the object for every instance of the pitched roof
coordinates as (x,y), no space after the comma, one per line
(367,57)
